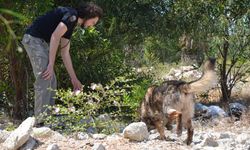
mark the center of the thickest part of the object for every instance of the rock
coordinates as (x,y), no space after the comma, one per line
(224,136)
(200,110)
(99,136)
(186,72)
(211,112)
(91,130)
(191,75)
(210,141)
(104,118)
(98,147)
(136,131)
(173,74)
(153,136)
(153,131)
(29,145)
(215,111)
(177,73)
(82,136)
(20,135)
(42,132)
(4,135)
(236,110)
(53,147)
(186,68)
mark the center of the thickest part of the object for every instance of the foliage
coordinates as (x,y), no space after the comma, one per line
(96,60)
(163,49)
(119,99)
(231,45)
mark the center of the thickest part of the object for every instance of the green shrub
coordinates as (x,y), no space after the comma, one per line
(119,99)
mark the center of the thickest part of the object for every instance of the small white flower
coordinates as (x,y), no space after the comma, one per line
(76,92)
(57,109)
(72,109)
(139,70)
(19,49)
(93,86)
(151,68)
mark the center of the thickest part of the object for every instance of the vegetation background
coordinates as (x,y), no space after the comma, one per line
(132,46)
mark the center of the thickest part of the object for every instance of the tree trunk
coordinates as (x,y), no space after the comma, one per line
(223,71)
(16,70)
(18,77)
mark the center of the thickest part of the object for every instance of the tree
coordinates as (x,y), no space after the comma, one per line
(15,75)
(231,41)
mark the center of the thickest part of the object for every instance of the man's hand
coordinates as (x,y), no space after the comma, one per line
(77,85)
(48,73)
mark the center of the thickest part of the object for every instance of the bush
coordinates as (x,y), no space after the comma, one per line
(119,99)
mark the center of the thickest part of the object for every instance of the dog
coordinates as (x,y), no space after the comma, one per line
(174,101)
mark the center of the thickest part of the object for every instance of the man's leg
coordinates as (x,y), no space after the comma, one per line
(44,94)
(38,52)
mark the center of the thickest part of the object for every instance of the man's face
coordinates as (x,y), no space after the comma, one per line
(90,22)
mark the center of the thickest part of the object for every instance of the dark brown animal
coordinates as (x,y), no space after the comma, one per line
(173,100)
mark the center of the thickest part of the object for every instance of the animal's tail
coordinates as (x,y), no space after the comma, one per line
(207,81)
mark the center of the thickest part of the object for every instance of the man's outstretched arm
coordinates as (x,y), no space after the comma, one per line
(65,44)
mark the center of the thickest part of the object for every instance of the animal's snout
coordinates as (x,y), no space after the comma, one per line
(212,60)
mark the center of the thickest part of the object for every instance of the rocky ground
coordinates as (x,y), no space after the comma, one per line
(220,133)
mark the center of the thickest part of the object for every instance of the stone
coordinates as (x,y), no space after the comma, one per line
(20,135)
(99,136)
(236,110)
(42,132)
(224,136)
(82,136)
(104,117)
(210,141)
(98,147)
(153,136)
(53,147)
(136,131)
(4,135)
(29,145)
(215,111)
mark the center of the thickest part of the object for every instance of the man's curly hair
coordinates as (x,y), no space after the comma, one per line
(89,10)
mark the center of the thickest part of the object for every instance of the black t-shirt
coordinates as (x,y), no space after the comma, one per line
(44,26)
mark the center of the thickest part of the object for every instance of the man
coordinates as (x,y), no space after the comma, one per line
(42,40)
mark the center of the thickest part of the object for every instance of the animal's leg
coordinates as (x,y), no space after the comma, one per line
(190,132)
(160,128)
(173,114)
(179,124)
